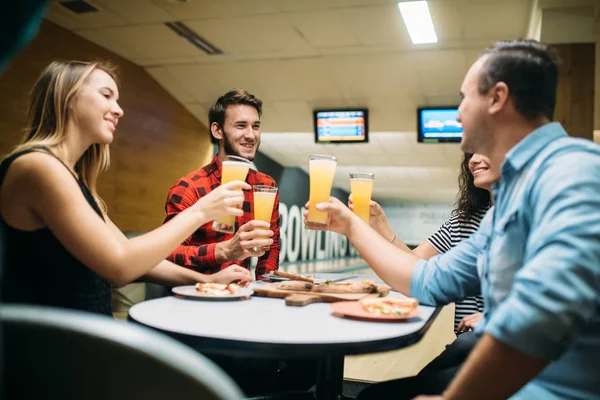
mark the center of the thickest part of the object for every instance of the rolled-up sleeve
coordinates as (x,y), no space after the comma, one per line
(557,291)
(452,276)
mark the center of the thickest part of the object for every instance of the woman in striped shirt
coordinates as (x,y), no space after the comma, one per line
(475,183)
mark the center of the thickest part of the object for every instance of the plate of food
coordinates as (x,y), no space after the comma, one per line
(378,309)
(214,291)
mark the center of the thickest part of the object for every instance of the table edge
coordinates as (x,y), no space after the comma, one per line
(299,350)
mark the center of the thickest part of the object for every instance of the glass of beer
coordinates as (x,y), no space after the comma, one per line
(264,199)
(321,171)
(233,169)
(361,187)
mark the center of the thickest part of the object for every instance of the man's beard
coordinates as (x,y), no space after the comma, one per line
(230,151)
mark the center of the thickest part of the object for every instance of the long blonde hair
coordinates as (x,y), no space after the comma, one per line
(48,114)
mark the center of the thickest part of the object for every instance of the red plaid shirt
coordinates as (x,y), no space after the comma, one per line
(198,251)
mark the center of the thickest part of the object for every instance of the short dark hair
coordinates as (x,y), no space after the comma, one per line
(529,69)
(470,199)
(235,96)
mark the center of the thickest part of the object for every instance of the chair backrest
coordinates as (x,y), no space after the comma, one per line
(62,354)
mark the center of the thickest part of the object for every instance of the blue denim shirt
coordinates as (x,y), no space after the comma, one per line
(536,261)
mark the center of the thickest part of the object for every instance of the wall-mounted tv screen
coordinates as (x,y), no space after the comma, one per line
(341,126)
(438,125)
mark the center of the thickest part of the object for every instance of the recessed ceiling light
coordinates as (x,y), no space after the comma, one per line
(192,37)
(78,6)
(418,21)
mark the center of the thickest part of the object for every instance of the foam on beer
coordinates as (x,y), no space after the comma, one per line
(236,163)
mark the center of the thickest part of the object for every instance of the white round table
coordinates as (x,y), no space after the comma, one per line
(267,328)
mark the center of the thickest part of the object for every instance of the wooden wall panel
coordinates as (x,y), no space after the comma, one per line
(157,140)
(575,96)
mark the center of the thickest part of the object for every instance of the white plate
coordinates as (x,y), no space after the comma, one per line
(190,291)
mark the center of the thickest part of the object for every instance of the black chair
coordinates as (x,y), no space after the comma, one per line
(296,395)
(156,291)
(53,353)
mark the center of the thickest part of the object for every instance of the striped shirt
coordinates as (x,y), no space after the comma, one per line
(454,231)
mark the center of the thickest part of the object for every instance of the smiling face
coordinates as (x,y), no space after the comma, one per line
(484,174)
(240,132)
(94,111)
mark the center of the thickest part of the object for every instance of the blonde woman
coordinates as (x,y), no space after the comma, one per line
(61,247)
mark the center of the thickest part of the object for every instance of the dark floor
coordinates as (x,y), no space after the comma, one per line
(352,388)
(350,391)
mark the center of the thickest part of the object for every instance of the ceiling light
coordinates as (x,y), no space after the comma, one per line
(192,37)
(78,6)
(418,21)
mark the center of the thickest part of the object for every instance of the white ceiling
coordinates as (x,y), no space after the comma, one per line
(298,55)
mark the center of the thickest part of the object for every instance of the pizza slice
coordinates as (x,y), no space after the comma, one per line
(218,289)
(390,305)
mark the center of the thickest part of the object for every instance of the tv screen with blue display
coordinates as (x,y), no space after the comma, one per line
(438,125)
(341,126)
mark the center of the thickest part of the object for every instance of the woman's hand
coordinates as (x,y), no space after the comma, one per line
(339,217)
(222,201)
(233,273)
(376,213)
(377,219)
(469,322)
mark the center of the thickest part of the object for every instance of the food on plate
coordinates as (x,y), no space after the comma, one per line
(298,286)
(346,287)
(389,305)
(218,289)
(340,288)
(294,277)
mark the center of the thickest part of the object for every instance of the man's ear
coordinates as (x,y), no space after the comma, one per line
(499,97)
(216,131)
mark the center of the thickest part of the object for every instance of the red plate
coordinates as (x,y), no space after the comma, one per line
(353,309)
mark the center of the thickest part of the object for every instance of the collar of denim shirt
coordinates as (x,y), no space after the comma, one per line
(527,149)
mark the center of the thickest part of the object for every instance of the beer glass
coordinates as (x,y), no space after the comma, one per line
(264,199)
(233,169)
(321,171)
(361,187)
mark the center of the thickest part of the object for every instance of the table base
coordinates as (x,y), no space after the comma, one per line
(330,378)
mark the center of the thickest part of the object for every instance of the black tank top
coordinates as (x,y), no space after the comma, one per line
(38,269)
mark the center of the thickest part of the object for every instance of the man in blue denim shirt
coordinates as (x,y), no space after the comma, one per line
(536,256)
